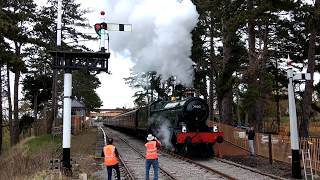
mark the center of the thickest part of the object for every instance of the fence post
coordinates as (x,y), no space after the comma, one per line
(270,148)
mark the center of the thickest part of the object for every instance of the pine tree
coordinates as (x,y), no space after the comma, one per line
(313,28)
(73,21)
(21,15)
(83,89)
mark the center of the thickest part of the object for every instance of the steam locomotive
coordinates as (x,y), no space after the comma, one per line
(180,125)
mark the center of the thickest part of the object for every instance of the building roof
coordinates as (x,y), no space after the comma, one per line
(77,104)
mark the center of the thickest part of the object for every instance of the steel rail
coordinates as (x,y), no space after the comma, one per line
(250,169)
(137,151)
(128,172)
(224,161)
(198,164)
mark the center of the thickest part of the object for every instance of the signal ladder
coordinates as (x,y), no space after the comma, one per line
(307,165)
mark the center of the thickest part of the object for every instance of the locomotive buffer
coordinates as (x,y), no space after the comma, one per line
(68,61)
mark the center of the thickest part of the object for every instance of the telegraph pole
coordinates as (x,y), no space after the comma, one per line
(294,136)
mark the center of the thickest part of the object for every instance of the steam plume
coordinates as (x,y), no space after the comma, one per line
(161,129)
(161,39)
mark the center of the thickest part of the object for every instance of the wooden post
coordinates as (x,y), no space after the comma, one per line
(270,148)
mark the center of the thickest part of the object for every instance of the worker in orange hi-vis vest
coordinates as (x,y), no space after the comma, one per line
(111,160)
(152,156)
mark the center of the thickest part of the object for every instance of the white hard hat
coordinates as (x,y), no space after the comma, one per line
(150,137)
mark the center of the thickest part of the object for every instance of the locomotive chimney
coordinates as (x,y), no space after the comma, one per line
(189,92)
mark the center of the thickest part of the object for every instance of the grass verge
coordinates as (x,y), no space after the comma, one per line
(24,159)
(30,158)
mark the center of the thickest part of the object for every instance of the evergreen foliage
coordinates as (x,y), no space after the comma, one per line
(27,33)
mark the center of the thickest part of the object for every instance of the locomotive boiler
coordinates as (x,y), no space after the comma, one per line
(180,125)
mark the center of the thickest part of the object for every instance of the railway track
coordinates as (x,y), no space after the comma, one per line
(132,153)
(134,160)
(173,166)
(235,171)
(124,171)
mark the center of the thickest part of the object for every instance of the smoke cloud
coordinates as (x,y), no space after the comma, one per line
(161,38)
(161,128)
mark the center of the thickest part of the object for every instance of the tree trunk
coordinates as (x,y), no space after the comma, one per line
(35,114)
(52,118)
(10,107)
(252,69)
(220,108)
(211,94)
(227,103)
(307,96)
(212,55)
(225,84)
(263,88)
(1,116)
(15,123)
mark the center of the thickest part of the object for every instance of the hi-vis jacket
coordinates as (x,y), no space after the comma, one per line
(110,157)
(152,149)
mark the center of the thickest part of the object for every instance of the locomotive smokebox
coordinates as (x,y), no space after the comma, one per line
(195,111)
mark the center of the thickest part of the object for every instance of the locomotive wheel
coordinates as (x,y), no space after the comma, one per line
(178,148)
(185,149)
(210,150)
(205,150)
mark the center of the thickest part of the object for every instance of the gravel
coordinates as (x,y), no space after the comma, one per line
(262,164)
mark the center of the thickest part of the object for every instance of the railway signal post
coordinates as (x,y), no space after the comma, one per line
(294,137)
(102,27)
(69,61)
(102,39)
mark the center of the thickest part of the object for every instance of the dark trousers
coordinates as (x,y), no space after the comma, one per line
(155,165)
(109,169)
